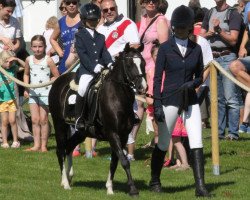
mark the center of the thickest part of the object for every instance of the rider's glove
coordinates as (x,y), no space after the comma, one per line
(98,68)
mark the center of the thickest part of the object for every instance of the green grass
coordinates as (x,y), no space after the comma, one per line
(29,175)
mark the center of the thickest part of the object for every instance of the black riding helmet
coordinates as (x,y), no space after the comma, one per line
(90,11)
(182,17)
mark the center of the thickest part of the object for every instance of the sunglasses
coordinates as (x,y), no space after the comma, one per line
(71,2)
(61,8)
(106,10)
(148,1)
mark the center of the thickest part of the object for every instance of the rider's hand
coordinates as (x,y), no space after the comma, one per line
(98,68)
(159,114)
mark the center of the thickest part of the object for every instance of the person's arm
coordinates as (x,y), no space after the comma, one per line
(53,40)
(72,58)
(7,42)
(205,32)
(242,51)
(21,63)
(26,77)
(159,68)
(162,30)
(53,67)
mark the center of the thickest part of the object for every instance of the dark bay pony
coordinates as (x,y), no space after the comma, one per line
(115,113)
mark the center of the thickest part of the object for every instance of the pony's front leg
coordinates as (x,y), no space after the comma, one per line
(112,169)
(65,180)
(117,147)
(70,172)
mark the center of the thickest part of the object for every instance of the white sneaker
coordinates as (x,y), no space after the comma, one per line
(15,145)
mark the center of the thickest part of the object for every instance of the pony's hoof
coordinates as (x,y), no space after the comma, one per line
(110,192)
(67,187)
(134,192)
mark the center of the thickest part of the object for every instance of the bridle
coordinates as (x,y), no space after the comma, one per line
(128,79)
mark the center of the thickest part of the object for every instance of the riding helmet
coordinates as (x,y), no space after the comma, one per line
(90,11)
(182,17)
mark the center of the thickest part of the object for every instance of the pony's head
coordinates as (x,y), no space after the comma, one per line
(134,68)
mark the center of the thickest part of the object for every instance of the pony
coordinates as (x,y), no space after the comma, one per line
(115,115)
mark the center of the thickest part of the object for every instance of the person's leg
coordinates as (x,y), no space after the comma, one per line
(164,129)
(13,125)
(233,100)
(85,79)
(245,121)
(181,151)
(36,129)
(140,113)
(4,128)
(44,124)
(191,117)
(239,70)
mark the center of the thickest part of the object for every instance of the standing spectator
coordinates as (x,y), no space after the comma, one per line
(150,32)
(181,60)
(10,32)
(37,70)
(68,26)
(222,34)
(119,30)
(8,106)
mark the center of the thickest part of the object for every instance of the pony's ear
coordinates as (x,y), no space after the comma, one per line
(127,47)
(141,47)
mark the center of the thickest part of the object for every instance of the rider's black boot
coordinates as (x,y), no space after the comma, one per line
(79,107)
(198,170)
(157,161)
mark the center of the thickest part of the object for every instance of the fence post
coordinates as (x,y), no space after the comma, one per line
(214,119)
(88,147)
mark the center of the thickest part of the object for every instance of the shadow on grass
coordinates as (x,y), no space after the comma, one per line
(143,186)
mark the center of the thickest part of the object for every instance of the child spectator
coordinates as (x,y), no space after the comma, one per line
(176,144)
(37,70)
(51,24)
(8,105)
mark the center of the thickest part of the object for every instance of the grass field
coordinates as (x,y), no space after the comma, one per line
(29,175)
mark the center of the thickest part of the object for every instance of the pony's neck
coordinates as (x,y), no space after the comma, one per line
(118,72)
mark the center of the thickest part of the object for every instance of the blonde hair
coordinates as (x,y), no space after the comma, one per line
(52,22)
(4,55)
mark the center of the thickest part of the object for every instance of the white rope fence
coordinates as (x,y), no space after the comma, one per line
(2,70)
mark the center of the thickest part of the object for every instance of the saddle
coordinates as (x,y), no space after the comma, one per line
(91,102)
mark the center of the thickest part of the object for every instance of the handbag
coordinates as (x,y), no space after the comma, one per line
(152,21)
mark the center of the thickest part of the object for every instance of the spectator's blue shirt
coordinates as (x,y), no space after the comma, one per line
(67,36)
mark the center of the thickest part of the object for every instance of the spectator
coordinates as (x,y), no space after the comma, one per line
(37,70)
(10,32)
(223,35)
(8,106)
(68,26)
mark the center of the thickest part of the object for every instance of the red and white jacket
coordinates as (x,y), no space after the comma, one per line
(117,34)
